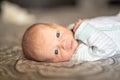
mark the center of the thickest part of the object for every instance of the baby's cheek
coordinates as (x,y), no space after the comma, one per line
(68,56)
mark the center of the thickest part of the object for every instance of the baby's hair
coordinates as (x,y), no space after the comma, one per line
(24,44)
(28,41)
(36,24)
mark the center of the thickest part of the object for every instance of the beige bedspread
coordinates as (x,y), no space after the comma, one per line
(13,65)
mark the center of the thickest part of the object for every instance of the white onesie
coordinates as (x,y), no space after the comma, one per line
(100,38)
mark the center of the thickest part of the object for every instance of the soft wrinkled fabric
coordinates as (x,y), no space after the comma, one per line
(100,38)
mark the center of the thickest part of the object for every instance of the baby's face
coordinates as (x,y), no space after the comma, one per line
(56,43)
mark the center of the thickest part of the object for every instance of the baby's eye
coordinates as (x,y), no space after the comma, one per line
(56,52)
(58,34)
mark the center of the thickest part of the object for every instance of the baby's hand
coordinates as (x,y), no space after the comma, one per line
(76,25)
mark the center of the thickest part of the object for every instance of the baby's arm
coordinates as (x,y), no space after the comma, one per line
(99,45)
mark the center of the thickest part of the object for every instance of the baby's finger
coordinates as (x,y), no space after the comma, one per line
(78,22)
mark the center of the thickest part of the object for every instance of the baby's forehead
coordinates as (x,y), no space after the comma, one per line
(36,29)
(44,27)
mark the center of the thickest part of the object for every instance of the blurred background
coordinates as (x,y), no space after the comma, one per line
(17,15)
(65,11)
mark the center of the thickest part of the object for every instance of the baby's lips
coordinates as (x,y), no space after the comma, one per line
(69,45)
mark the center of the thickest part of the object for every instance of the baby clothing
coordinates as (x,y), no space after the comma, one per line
(99,38)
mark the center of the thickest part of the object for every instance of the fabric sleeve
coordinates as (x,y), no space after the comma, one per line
(98,44)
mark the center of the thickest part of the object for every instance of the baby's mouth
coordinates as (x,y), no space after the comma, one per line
(70,45)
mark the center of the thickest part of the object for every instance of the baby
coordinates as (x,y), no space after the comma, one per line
(87,40)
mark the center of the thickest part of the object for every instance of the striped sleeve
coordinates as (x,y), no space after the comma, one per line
(99,45)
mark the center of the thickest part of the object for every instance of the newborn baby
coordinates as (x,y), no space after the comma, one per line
(49,42)
(87,40)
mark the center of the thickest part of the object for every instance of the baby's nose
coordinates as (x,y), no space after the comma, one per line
(65,44)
